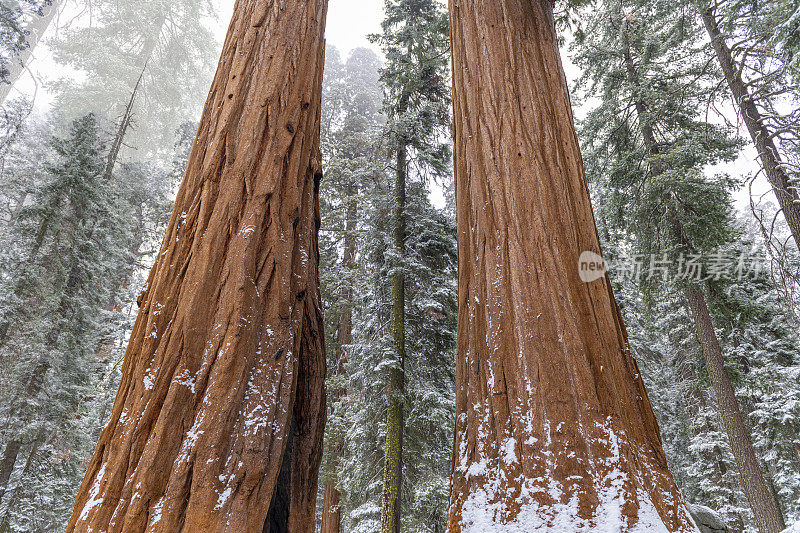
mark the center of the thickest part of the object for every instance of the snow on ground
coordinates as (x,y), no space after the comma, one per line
(793,529)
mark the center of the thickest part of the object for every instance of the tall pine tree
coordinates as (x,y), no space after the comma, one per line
(642,59)
(70,236)
(414,40)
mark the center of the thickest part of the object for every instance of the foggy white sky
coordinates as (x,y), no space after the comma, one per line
(349,23)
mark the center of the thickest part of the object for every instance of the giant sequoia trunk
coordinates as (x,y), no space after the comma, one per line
(554,430)
(218,420)
(785,191)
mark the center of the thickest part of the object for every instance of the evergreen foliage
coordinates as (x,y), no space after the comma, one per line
(73,248)
(158,53)
(56,290)
(77,236)
(650,151)
(14,16)
(358,148)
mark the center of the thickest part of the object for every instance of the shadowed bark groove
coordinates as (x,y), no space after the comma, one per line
(226,362)
(554,429)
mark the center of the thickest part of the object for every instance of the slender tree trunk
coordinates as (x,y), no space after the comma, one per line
(18,205)
(122,129)
(219,416)
(393,454)
(331,512)
(35,30)
(15,443)
(751,477)
(767,516)
(105,345)
(10,453)
(5,522)
(773,489)
(554,429)
(785,191)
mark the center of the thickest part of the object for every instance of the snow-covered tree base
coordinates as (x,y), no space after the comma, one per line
(616,500)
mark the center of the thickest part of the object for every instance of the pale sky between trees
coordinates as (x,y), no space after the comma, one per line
(348,25)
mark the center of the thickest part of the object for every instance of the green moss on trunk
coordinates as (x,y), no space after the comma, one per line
(393,458)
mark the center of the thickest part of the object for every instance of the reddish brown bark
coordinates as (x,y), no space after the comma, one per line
(218,420)
(554,430)
(331,511)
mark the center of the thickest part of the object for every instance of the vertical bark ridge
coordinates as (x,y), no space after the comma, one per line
(228,347)
(553,425)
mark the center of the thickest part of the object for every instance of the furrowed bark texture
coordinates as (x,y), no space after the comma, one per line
(554,429)
(768,518)
(783,188)
(219,416)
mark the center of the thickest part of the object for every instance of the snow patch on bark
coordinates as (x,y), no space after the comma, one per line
(223,497)
(157,510)
(480,515)
(93,501)
(149,378)
(186,379)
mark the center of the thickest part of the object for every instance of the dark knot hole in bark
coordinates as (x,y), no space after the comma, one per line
(278,515)
(317,181)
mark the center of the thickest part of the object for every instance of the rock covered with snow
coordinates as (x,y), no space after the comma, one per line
(707,520)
